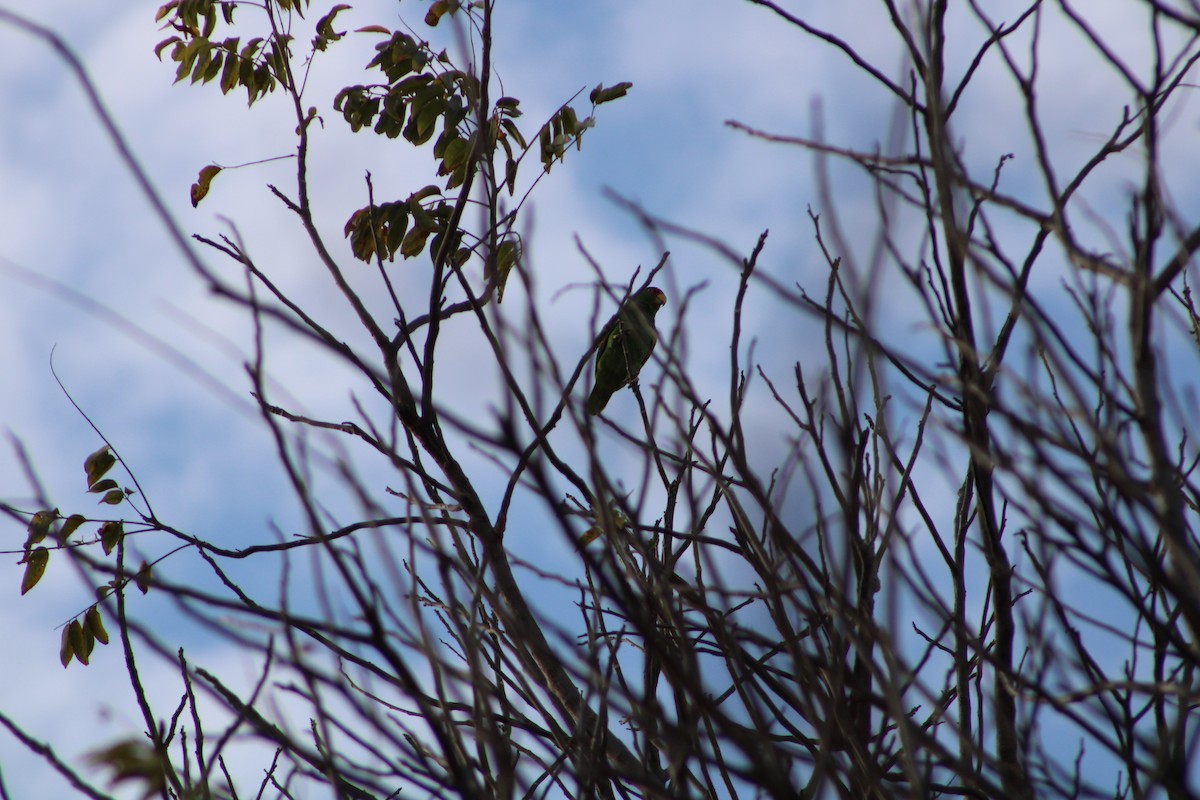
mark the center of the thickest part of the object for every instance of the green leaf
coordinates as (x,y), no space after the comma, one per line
(413,243)
(65,651)
(361,234)
(251,50)
(71,525)
(570,122)
(427,191)
(142,579)
(357,106)
(110,535)
(456,155)
(423,123)
(547,153)
(604,95)
(260,82)
(185,55)
(508,106)
(78,646)
(103,486)
(422,218)
(446,250)
(399,56)
(510,128)
(98,464)
(397,225)
(214,67)
(443,141)
(508,252)
(231,73)
(35,568)
(113,497)
(278,54)
(39,526)
(82,642)
(210,18)
(201,59)
(325,31)
(378,233)
(456,111)
(391,119)
(510,176)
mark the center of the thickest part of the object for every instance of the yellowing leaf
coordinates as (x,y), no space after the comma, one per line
(439,9)
(165,9)
(35,568)
(95,624)
(202,184)
(164,44)
(39,526)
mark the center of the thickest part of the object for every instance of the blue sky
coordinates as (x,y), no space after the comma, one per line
(72,215)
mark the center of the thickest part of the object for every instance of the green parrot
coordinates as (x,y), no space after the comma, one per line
(625,345)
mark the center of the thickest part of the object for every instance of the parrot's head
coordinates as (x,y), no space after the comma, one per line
(651,299)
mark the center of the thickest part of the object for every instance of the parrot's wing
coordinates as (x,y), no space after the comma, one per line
(610,334)
(606,337)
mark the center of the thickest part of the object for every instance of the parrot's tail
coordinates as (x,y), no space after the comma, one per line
(597,400)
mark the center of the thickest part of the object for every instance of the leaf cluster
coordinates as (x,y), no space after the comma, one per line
(81,634)
(259,65)
(424,97)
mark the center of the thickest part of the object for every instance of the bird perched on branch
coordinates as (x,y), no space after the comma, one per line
(625,346)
